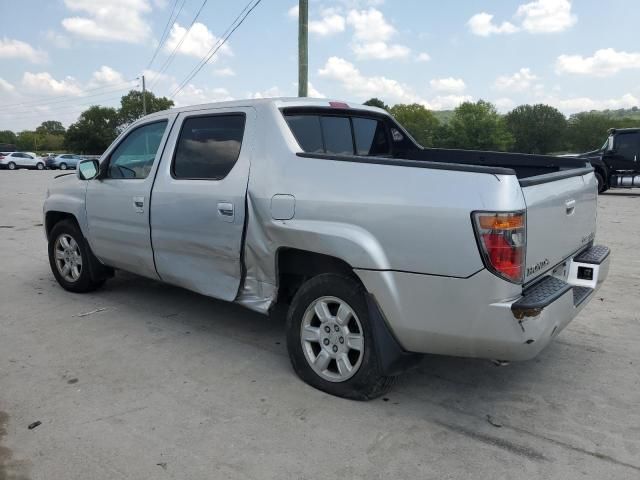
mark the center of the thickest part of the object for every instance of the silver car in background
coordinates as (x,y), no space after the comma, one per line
(64,161)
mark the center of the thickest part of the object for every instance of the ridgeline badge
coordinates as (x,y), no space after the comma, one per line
(537,267)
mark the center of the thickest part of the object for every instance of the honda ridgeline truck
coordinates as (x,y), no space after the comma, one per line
(382,250)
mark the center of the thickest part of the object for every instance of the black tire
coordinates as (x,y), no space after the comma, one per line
(602,186)
(40,166)
(86,281)
(368,382)
(62,166)
(11,166)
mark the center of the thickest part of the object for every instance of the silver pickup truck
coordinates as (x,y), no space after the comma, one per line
(382,250)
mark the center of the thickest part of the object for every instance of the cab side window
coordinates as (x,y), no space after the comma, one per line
(134,156)
(208,146)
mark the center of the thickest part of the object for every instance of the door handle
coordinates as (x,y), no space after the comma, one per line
(225,210)
(570,205)
(138,204)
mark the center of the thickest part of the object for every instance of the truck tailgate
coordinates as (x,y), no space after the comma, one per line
(561,219)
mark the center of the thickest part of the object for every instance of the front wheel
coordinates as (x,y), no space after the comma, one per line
(40,166)
(70,257)
(63,166)
(330,339)
(602,186)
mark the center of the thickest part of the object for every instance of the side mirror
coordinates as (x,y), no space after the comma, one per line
(88,169)
(610,145)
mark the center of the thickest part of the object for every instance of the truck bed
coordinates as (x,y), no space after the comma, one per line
(525,166)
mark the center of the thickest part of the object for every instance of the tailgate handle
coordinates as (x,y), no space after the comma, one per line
(570,205)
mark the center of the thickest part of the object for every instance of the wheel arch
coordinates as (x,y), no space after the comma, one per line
(53,217)
(293,266)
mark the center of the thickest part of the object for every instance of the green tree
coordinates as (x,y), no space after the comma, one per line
(27,140)
(478,126)
(588,130)
(376,102)
(536,128)
(7,136)
(419,121)
(52,127)
(131,106)
(94,131)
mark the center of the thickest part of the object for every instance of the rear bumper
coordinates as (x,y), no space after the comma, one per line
(482,316)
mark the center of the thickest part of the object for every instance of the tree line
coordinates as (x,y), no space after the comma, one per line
(540,129)
(473,126)
(94,130)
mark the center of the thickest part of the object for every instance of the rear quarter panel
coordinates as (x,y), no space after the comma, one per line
(378,217)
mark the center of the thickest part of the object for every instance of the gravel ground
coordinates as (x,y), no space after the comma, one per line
(142,380)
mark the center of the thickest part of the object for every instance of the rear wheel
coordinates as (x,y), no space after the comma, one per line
(63,166)
(330,339)
(70,258)
(11,166)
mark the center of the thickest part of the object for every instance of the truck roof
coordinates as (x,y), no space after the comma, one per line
(279,102)
(623,130)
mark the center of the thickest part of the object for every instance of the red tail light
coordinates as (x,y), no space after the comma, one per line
(502,241)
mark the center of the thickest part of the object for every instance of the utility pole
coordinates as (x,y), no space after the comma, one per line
(303,48)
(144,98)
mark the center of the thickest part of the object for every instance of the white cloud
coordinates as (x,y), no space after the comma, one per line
(224,72)
(380,51)
(423,57)
(268,93)
(197,43)
(520,81)
(370,25)
(546,16)
(371,35)
(504,104)
(10,48)
(6,86)
(448,102)
(44,83)
(585,104)
(192,95)
(449,84)
(482,24)
(538,16)
(105,76)
(603,63)
(109,20)
(313,92)
(330,23)
(364,87)
(293,12)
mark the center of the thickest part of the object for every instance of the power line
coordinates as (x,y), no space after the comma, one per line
(67,98)
(71,110)
(217,47)
(59,108)
(173,53)
(165,32)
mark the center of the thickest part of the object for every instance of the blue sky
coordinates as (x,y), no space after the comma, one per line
(59,56)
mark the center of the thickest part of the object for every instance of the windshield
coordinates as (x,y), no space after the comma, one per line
(604,147)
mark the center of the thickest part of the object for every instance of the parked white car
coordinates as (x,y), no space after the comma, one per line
(15,160)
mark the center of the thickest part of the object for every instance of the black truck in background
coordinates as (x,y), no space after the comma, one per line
(617,163)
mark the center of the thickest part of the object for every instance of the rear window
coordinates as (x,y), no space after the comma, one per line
(339,135)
